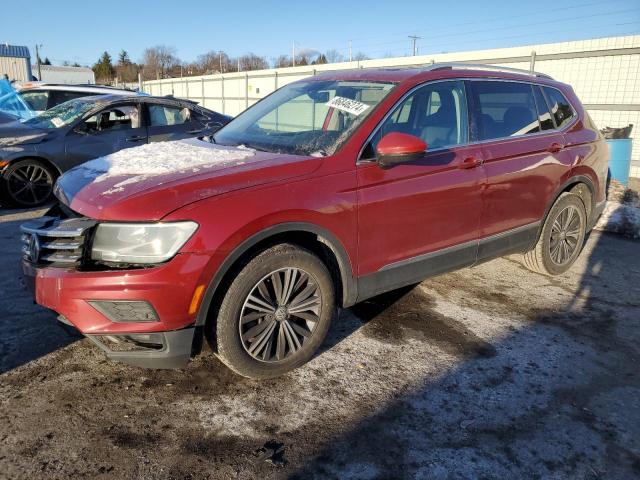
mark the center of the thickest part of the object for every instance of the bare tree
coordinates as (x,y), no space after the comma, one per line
(158,61)
(251,61)
(360,56)
(214,62)
(334,56)
(282,61)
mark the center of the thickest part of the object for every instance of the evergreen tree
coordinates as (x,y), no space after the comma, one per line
(103,68)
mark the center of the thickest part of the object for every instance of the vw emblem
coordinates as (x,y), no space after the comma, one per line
(34,248)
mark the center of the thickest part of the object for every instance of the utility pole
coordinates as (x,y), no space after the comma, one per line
(38,62)
(293,55)
(221,61)
(415,47)
(350,52)
(238,63)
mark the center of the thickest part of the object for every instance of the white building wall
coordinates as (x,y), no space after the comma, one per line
(604,72)
(65,75)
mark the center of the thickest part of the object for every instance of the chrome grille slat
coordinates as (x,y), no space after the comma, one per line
(55,241)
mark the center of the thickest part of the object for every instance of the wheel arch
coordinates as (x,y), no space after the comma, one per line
(574,184)
(308,235)
(44,160)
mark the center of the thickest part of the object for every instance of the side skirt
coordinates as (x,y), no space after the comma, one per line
(417,269)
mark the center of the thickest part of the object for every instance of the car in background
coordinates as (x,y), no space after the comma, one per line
(34,152)
(41,96)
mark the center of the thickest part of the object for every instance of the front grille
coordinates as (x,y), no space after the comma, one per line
(56,241)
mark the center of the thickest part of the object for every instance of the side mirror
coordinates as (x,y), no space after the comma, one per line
(396,147)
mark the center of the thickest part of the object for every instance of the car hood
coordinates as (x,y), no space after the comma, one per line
(16,133)
(148,182)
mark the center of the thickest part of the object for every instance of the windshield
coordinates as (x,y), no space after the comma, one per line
(61,115)
(305,118)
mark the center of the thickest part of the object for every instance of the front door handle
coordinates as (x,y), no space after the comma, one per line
(470,162)
(555,147)
(136,138)
(193,132)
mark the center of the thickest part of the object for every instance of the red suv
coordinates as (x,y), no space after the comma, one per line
(329,191)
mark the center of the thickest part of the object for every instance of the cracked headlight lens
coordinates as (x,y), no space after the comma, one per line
(142,243)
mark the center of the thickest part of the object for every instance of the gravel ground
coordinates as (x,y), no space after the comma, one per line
(490,372)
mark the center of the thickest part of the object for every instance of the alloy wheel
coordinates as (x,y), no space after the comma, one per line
(280,314)
(29,184)
(565,235)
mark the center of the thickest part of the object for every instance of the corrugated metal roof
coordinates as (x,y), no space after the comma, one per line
(16,51)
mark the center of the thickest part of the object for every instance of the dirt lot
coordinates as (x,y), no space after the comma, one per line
(491,372)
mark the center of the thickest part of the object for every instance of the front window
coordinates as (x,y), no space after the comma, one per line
(436,113)
(305,118)
(61,115)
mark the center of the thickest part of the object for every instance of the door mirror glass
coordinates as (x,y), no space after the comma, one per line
(396,147)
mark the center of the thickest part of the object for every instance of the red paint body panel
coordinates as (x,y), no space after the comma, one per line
(168,288)
(377,216)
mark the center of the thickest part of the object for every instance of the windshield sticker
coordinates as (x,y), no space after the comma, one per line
(353,107)
(58,122)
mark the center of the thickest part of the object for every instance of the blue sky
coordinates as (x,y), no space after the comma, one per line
(78,31)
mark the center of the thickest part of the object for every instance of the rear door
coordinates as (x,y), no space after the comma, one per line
(112,129)
(421,218)
(172,122)
(524,157)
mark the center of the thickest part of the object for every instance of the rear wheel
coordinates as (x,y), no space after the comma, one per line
(27,183)
(276,313)
(561,239)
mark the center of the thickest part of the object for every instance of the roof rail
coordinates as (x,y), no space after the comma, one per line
(480,66)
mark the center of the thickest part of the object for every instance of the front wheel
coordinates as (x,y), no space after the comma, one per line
(562,237)
(276,312)
(27,183)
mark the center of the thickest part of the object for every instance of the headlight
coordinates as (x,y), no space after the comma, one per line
(140,242)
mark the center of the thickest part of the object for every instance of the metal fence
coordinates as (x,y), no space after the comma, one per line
(604,72)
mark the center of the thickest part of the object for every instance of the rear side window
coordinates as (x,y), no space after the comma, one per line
(560,107)
(160,115)
(504,109)
(544,115)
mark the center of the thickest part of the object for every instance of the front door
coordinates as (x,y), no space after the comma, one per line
(420,218)
(111,130)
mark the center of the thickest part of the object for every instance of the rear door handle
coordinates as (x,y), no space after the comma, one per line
(136,138)
(192,132)
(555,147)
(470,162)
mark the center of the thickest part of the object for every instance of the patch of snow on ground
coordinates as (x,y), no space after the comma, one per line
(159,158)
(620,218)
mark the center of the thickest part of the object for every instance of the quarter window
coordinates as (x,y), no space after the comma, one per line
(436,113)
(544,116)
(504,109)
(560,107)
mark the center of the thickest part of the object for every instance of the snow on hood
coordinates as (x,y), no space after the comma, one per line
(159,158)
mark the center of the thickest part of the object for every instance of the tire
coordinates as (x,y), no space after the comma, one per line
(27,183)
(561,239)
(262,345)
